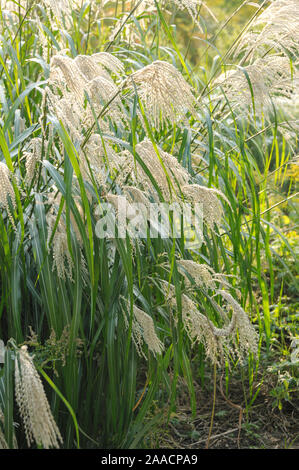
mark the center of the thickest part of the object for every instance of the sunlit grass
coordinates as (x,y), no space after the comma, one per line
(73,303)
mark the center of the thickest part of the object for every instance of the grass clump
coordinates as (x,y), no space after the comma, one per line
(100,108)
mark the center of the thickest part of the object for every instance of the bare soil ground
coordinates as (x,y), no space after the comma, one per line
(262,427)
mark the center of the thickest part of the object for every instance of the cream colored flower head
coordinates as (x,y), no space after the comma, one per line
(164,92)
(33,404)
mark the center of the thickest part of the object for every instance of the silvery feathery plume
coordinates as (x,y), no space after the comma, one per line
(100,64)
(143,330)
(216,340)
(208,197)
(276,28)
(102,91)
(60,11)
(97,159)
(6,190)
(68,110)
(33,404)
(198,327)
(248,338)
(135,195)
(202,274)
(76,79)
(59,8)
(62,260)
(109,62)
(66,75)
(33,156)
(164,92)
(167,171)
(260,83)
(192,6)
(122,169)
(76,73)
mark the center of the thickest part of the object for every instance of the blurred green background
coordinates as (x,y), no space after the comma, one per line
(221,10)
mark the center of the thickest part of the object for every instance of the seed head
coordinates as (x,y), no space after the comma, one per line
(33,404)
(248,338)
(33,156)
(143,330)
(208,197)
(261,83)
(6,190)
(164,92)
(276,28)
(167,171)
(202,274)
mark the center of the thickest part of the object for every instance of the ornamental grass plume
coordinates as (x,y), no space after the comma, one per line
(270,53)
(33,404)
(75,74)
(200,329)
(219,342)
(123,168)
(164,92)
(62,259)
(208,197)
(135,195)
(66,75)
(73,80)
(197,326)
(248,338)
(97,159)
(171,178)
(6,190)
(67,110)
(193,7)
(261,83)
(60,11)
(276,28)
(203,275)
(167,171)
(33,155)
(143,331)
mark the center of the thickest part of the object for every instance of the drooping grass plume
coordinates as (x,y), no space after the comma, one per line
(34,408)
